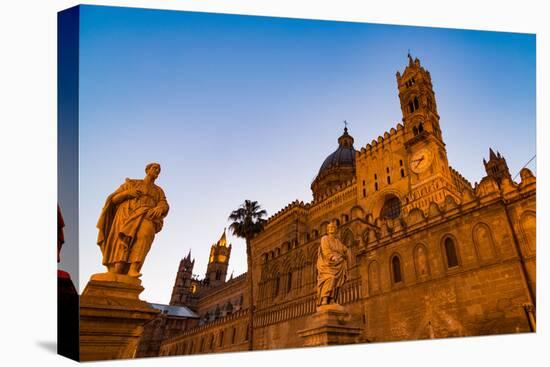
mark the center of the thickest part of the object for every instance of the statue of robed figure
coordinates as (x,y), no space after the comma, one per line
(130,218)
(332,267)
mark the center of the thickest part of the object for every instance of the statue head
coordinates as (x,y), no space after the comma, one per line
(331,228)
(152,169)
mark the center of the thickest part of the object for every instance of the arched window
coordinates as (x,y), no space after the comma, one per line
(289,282)
(218,274)
(450,253)
(411,107)
(221,339)
(233,335)
(391,208)
(396,269)
(402,172)
(276,285)
(389,180)
(376,186)
(416,104)
(415,131)
(420,128)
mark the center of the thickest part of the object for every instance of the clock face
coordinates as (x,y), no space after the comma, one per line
(222,258)
(421,160)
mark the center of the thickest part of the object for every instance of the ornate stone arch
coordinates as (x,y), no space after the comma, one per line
(323,228)
(299,268)
(421,261)
(311,272)
(348,238)
(376,206)
(287,264)
(357,212)
(374,277)
(528,227)
(414,216)
(299,260)
(484,243)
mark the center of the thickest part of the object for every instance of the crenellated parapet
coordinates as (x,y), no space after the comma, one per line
(460,182)
(290,209)
(486,192)
(382,142)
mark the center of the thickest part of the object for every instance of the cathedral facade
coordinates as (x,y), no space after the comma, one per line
(430,254)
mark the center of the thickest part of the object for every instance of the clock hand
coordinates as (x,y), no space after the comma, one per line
(419,161)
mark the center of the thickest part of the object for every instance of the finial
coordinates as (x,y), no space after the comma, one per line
(346,126)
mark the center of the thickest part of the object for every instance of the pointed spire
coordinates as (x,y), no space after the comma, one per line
(492,154)
(223,240)
(188,257)
(411,62)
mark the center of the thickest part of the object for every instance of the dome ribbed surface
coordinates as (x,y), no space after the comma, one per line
(341,157)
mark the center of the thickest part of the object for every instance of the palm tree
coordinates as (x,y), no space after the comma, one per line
(247,222)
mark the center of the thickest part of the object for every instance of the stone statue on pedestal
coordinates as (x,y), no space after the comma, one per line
(331,324)
(110,308)
(130,218)
(332,267)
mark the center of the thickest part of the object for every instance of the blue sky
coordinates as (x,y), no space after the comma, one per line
(240,107)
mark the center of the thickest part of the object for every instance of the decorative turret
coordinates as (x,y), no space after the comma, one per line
(182,287)
(496,167)
(218,262)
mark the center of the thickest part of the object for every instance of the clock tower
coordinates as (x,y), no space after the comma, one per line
(430,175)
(218,262)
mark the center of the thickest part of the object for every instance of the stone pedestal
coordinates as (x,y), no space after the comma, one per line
(329,326)
(112,317)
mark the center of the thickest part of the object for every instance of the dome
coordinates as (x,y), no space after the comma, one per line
(337,168)
(343,156)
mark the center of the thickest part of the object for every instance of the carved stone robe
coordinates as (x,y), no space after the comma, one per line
(332,267)
(125,231)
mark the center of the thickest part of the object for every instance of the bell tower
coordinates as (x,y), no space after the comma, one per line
(183,287)
(218,262)
(430,177)
(417,99)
